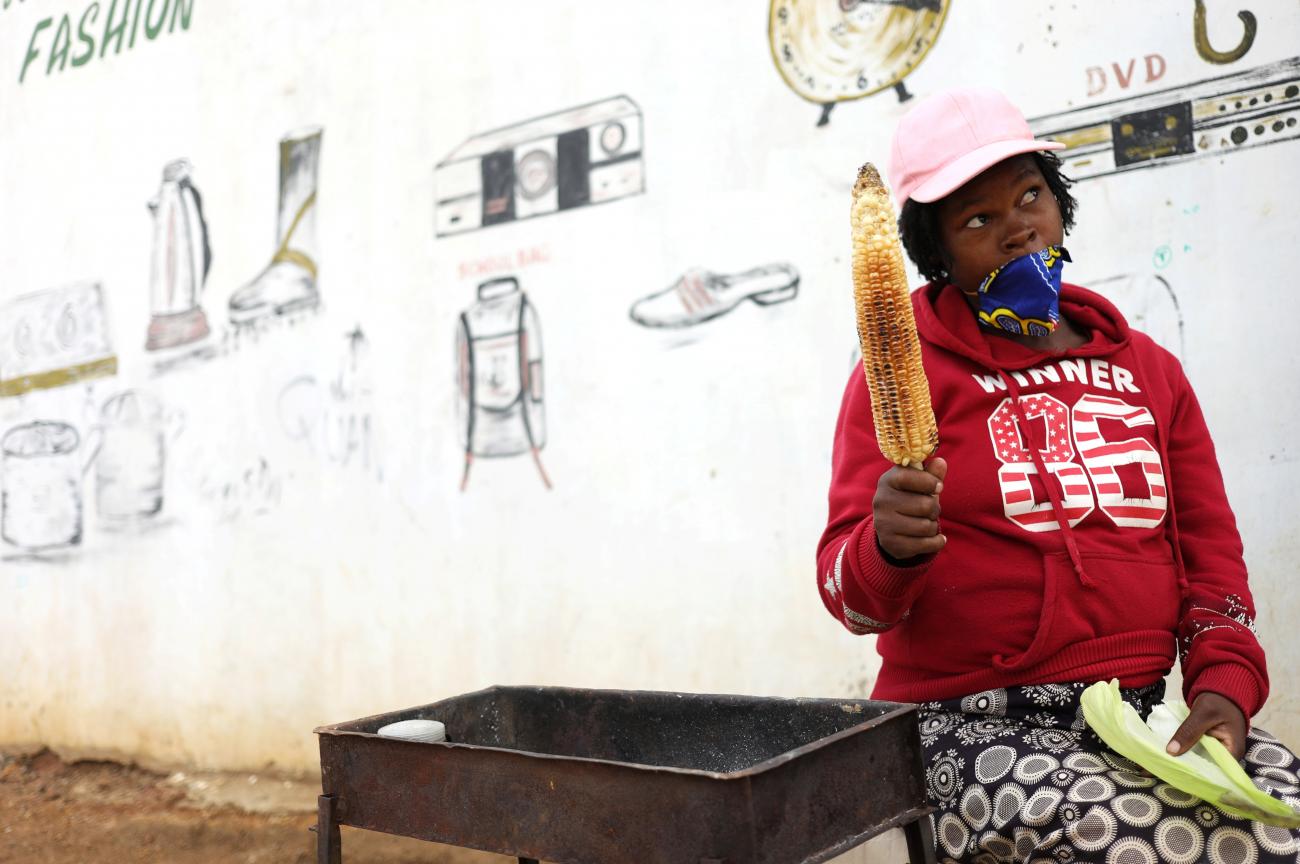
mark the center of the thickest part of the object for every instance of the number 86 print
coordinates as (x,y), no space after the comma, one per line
(1100,459)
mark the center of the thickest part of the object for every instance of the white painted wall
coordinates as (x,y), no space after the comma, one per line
(288,583)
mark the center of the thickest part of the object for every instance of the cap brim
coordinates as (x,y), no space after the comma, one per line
(957,172)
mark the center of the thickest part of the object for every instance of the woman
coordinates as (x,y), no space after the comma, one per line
(1085,532)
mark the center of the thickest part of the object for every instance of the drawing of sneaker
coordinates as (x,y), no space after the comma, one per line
(700,295)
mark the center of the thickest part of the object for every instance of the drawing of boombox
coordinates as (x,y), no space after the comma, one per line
(586,155)
(1206,118)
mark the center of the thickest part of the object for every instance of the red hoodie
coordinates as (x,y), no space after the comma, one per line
(1127,555)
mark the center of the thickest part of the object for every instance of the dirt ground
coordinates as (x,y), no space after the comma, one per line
(56,812)
(90,812)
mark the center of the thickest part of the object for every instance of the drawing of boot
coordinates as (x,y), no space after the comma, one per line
(700,295)
(288,284)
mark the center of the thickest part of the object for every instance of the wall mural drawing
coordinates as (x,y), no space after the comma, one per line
(1125,75)
(286,288)
(832,51)
(701,295)
(335,419)
(130,458)
(1248,109)
(499,405)
(181,259)
(43,463)
(1202,38)
(236,492)
(1151,305)
(53,338)
(40,487)
(585,155)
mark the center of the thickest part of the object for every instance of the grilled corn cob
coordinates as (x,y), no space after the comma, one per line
(891,349)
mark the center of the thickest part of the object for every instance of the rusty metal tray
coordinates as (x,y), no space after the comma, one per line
(585,776)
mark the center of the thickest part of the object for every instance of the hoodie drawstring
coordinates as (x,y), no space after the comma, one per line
(1053,493)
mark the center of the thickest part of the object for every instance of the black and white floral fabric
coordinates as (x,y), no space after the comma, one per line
(1018,777)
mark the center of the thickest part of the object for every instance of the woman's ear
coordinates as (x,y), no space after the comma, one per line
(946,260)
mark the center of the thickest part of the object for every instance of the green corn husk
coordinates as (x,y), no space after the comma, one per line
(1207,771)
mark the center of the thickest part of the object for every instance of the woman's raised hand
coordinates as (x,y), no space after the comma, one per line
(905,511)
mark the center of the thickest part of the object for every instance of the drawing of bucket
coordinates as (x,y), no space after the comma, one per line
(499,370)
(40,499)
(130,460)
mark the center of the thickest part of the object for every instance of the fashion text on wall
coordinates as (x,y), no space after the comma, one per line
(101,26)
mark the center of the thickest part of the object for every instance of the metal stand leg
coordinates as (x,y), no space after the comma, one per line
(329,845)
(920,841)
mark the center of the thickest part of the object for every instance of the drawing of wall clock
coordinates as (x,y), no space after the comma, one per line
(831,51)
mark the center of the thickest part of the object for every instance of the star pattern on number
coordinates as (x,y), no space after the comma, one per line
(1006,440)
(1053,412)
(1007,437)
(1068,456)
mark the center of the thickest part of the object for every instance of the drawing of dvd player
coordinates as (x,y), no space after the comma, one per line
(1206,118)
(586,155)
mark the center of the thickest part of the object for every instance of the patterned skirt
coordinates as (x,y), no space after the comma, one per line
(1019,777)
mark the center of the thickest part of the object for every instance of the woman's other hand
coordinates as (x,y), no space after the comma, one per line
(906,510)
(1216,716)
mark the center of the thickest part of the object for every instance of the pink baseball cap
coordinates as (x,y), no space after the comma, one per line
(950,137)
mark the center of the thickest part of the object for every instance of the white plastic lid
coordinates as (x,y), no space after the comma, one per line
(415,730)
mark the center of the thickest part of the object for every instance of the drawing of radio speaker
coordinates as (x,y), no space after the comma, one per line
(1206,118)
(586,155)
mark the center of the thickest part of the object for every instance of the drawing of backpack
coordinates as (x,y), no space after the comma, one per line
(499,403)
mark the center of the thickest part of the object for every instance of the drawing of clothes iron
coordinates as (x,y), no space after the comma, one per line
(499,377)
(701,295)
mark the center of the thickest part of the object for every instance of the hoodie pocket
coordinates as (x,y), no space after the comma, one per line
(1125,594)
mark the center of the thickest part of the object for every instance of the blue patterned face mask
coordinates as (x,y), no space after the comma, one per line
(1023,295)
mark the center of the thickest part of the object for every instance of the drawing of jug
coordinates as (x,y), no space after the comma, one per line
(182,257)
(131,456)
(499,376)
(40,497)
